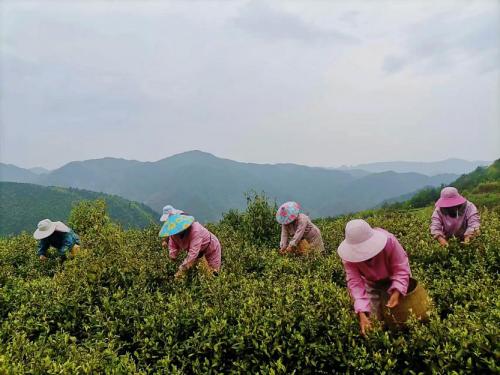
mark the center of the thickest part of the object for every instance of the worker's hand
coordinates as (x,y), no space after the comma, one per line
(43,258)
(286,250)
(179,275)
(164,243)
(364,324)
(442,241)
(394,299)
(466,240)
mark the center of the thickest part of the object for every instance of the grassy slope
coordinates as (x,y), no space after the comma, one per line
(23,205)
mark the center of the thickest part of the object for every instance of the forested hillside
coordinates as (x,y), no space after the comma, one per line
(22,206)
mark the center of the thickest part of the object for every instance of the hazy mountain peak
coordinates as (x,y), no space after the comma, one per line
(39,170)
(193,154)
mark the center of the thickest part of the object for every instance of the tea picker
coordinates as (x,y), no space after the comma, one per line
(378,276)
(56,234)
(305,236)
(454,216)
(182,232)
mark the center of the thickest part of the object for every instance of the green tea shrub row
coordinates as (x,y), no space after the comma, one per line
(116,308)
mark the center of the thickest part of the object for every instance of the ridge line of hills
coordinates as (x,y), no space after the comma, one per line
(208,186)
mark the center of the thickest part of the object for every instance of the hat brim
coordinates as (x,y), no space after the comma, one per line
(364,250)
(164,217)
(450,202)
(175,224)
(285,220)
(41,234)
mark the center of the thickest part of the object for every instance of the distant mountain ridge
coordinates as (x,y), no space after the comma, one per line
(207,186)
(455,166)
(10,172)
(23,205)
(39,170)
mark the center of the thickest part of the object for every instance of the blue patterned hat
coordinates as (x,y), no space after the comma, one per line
(176,224)
(287,213)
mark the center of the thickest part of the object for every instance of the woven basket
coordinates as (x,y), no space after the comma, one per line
(416,302)
(304,248)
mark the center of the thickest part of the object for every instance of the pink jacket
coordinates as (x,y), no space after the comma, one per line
(299,229)
(391,263)
(447,226)
(198,242)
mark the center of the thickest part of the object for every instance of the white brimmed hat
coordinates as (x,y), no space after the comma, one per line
(169,210)
(166,212)
(361,242)
(46,227)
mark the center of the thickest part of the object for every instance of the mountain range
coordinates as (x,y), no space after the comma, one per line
(456,166)
(208,186)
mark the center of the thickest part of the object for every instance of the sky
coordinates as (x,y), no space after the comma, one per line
(322,83)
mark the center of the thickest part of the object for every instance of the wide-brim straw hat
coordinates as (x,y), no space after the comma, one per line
(450,198)
(46,227)
(362,242)
(176,224)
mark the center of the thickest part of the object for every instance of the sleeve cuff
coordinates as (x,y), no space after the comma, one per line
(362,305)
(436,235)
(471,231)
(399,287)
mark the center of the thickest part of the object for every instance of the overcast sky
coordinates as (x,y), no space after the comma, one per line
(312,82)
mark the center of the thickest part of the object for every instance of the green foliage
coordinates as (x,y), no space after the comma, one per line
(257,225)
(480,175)
(88,216)
(22,206)
(116,309)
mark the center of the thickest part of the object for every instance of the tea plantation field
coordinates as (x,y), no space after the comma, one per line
(116,308)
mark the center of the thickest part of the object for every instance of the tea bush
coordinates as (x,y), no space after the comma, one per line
(116,309)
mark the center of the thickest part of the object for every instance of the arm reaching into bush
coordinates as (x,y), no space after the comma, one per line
(400,268)
(357,288)
(473,222)
(43,246)
(193,253)
(173,249)
(365,325)
(437,228)
(301,223)
(284,238)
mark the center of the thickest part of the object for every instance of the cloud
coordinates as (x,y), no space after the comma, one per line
(394,64)
(235,77)
(258,18)
(449,39)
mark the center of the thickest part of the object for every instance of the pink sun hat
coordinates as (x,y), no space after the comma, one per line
(449,198)
(362,242)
